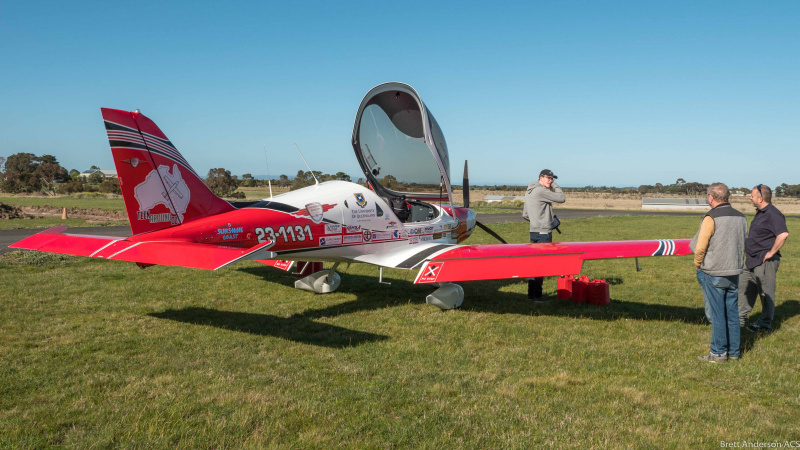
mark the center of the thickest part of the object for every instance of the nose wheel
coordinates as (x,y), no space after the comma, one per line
(322,282)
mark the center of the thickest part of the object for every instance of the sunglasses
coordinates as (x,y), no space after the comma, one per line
(759,190)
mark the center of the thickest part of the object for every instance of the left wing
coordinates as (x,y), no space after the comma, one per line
(492,262)
(162,252)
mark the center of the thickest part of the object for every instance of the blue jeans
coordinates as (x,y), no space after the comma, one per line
(535,284)
(723,302)
(700,277)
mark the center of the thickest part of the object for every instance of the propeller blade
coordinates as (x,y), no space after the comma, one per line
(491,233)
(465,190)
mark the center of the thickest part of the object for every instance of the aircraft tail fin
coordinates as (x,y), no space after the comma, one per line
(158,185)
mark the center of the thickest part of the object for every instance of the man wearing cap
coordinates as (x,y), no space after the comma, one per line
(538,211)
(768,233)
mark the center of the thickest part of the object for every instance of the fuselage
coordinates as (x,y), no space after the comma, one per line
(330,221)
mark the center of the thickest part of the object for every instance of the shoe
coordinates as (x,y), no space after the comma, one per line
(733,358)
(711,357)
(756,328)
(541,300)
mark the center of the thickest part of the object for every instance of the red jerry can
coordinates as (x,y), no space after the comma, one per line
(599,292)
(564,291)
(304,269)
(580,289)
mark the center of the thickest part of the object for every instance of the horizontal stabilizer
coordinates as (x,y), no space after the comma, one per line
(165,253)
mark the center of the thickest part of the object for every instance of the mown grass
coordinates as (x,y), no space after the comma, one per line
(81,201)
(48,222)
(101,353)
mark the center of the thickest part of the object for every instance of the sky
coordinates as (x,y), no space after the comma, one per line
(602,93)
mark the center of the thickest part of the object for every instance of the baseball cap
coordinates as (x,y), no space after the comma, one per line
(547,173)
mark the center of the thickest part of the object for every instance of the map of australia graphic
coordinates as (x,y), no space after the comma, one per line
(150,193)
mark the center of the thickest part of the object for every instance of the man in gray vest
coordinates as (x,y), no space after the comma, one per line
(718,248)
(538,210)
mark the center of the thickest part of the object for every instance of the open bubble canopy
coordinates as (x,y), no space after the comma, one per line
(399,145)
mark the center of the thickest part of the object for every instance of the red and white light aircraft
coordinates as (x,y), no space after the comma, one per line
(177,221)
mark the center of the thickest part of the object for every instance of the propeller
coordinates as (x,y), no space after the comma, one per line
(465,190)
(465,193)
(491,233)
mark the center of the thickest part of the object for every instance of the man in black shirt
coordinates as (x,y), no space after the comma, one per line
(768,233)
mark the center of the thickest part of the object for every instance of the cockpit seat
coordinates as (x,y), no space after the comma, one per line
(401,208)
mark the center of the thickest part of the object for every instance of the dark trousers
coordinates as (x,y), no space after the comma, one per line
(535,284)
(760,281)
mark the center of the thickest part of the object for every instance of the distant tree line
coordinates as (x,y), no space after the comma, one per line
(223,184)
(28,173)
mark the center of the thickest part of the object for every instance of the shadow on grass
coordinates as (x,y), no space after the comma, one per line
(294,328)
(783,311)
(481,297)
(486,296)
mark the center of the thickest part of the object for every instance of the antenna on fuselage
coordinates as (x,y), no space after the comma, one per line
(316,181)
(269,175)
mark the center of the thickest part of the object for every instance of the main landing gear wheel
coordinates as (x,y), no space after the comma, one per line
(448,296)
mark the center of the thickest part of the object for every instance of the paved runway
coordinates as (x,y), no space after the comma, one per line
(566,214)
(8,237)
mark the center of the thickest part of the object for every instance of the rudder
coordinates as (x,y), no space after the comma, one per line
(159,187)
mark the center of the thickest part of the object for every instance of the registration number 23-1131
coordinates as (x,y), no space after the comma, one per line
(298,233)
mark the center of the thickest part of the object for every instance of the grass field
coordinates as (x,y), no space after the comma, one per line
(87,202)
(104,354)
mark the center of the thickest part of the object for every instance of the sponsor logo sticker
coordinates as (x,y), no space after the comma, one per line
(426,238)
(354,228)
(333,228)
(230,232)
(381,235)
(330,240)
(367,236)
(413,240)
(352,239)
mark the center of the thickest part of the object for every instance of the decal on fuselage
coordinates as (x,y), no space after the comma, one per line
(305,212)
(333,228)
(330,240)
(362,215)
(230,233)
(315,212)
(352,239)
(296,233)
(360,199)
